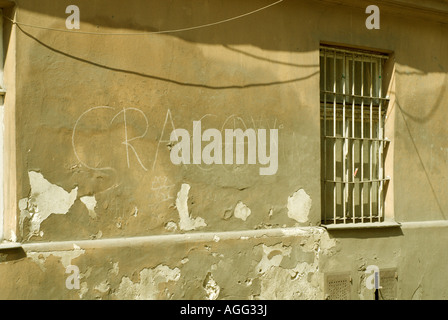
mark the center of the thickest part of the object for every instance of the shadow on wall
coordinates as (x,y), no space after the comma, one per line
(367,233)
(306,23)
(12,254)
(262,29)
(198,85)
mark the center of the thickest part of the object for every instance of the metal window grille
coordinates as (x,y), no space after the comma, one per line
(353,111)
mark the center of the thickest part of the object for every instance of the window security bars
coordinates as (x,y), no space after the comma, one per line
(352,112)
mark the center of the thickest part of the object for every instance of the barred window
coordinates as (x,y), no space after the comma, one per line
(353,111)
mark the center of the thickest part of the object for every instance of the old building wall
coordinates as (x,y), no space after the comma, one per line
(96,186)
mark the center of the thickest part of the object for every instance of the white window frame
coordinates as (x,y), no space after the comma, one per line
(2,131)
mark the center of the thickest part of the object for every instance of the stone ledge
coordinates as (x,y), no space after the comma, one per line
(173,238)
(10,245)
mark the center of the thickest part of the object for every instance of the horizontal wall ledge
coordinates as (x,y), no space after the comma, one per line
(173,238)
(10,245)
(425,224)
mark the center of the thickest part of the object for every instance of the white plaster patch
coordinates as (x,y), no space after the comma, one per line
(298,283)
(301,231)
(327,244)
(115,269)
(186,223)
(299,205)
(65,256)
(98,235)
(90,203)
(171,226)
(135,212)
(272,257)
(241,211)
(103,287)
(84,289)
(211,288)
(13,237)
(45,199)
(302,281)
(148,287)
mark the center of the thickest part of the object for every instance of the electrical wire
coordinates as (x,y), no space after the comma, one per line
(147,33)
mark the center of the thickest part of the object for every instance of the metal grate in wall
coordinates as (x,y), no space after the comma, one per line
(338,286)
(389,284)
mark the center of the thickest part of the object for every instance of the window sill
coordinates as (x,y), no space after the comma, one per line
(10,245)
(351,226)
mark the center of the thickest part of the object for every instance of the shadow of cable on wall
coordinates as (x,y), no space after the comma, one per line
(180,83)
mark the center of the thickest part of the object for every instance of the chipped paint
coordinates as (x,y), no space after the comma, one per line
(171,226)
(103,287)
(241,211)
(66,257)
(300,282)
(115,269)
(299,205)
(45,199)
(83,290)
(272,257)
(211,288)
(90,203)
(148,286)
(186,222)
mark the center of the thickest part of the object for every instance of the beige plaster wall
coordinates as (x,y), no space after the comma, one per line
(76,181)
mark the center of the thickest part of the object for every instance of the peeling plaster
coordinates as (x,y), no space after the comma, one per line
(45,199)
(241,211)
(13,237)
(90,203)
(299,205)
(211,287)
(300,282)
(84,287)
(103,287)
(98,235)
(65,256)
(171,226)
(83,290)
(272,256)
(148,287)
(115,269)
(186,222)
